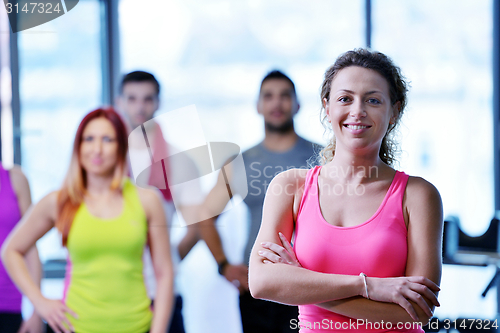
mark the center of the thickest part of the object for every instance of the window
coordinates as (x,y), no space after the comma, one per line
(60,81)
(214,55)
(445,50)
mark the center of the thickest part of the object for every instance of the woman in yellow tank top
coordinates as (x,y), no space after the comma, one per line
(105,222)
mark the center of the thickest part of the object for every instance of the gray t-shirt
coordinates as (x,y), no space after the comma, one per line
(261,165)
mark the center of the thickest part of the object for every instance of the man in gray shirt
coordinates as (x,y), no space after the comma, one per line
(281,149)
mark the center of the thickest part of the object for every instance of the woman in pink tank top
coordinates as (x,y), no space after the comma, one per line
(367,238)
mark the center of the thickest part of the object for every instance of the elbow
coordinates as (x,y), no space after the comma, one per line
(164,275)
(256,284)
(259,286)
(164,272)
(256,287)
(6,255)
(4,252)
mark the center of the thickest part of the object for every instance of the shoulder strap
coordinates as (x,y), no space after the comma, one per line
(395,198)
(399,186)
(310,182)
(131,197)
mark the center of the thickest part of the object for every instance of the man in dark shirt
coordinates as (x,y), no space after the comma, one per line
(281,149)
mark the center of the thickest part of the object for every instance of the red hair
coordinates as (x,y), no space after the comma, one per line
(74,186)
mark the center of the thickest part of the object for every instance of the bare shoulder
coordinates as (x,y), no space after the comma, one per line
(48,205)
(18,179)
(149,197)
(17,172)
(51,199)
(290,183)
(291,177)
(423,201)
(419,189)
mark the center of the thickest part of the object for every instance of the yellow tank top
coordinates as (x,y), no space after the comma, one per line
(104,282)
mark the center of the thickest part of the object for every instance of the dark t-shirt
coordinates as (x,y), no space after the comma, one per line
(261,165)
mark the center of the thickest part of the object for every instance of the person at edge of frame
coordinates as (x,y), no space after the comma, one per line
(15,199)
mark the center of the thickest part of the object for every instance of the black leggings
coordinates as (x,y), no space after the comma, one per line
(10,322)
(266,317)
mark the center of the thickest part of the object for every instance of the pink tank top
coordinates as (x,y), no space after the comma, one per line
(377,247)
(10,297)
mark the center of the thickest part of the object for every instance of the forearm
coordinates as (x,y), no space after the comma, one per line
(211,236)
(34,265)
(18,270)
(35,270)
(373,311)
(296,285)
(189,240)
(163,304)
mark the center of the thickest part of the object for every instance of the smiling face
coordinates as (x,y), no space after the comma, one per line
(359,108)
(99,148)
(277,104)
